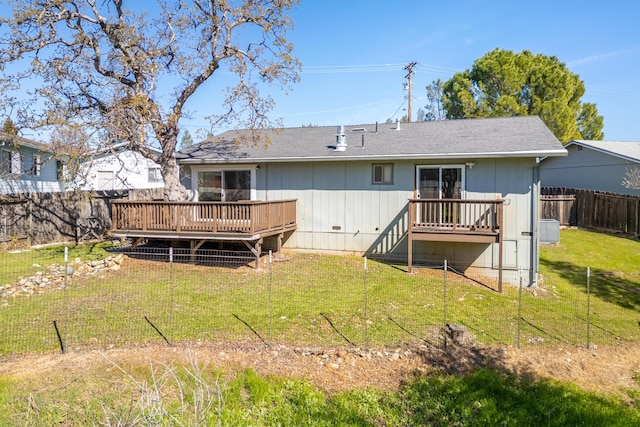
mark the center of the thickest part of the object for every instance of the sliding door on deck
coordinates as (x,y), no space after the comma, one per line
(224,186)
(439,182)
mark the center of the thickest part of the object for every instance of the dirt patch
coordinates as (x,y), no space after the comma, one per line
(604,370)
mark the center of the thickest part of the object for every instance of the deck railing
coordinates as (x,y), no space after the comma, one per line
(456,220)
(456,215)
(248,217)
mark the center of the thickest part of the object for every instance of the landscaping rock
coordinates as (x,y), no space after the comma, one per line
(459,334)
(57,277)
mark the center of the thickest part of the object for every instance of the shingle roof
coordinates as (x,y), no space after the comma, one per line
(624,149)
(454,139)
(18,140)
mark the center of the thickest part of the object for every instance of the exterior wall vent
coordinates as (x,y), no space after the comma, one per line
(341,139)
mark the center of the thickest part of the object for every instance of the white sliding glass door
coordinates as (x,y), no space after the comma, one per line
(223,186)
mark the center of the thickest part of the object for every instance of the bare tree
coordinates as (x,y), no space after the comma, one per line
(128,72)
(434,109)
(631,178)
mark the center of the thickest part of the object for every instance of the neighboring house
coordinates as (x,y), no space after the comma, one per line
(593,165)
(27,166)
(462,190)
(119,168)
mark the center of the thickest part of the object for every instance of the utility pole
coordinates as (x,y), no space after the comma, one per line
(409,78)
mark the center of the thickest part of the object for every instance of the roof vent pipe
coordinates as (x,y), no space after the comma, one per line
(397,124)
(341,139)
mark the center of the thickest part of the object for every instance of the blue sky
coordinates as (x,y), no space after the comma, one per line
(353,53)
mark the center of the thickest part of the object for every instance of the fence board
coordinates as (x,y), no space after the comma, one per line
(36,218)
(609,212)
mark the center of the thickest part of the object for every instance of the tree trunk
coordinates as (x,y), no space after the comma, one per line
(173,189)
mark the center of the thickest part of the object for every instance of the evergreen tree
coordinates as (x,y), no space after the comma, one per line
(9,127)
(186,140)
(503,83)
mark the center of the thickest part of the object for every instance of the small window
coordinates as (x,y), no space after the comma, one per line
(155,175)
(35,168)
(383,173)
(10,162)
(105,180)
(5,162)
(61,171)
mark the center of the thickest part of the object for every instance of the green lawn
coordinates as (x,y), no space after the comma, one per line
(604,253)
(614,281)
(316,299)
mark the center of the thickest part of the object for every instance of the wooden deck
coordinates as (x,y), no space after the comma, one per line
(437,220)
(248,222)
(454,220)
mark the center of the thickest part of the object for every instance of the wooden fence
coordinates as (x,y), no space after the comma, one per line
(36,218)
(596,210)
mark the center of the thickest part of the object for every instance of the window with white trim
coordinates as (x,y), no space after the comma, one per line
(382,173)
(16,163)
(36,166)
(10,162)
(5,162)
(155,175)
(105,180)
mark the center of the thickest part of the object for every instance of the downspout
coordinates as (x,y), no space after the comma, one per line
(535,213)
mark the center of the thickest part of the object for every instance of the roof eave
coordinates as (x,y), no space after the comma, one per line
(585,144)
(26,143)
(483,155)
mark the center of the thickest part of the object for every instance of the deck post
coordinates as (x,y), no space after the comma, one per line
(256,250)
(500,264)
(500,232)
(195,245)
(412,206)
(136,242)
(279,255)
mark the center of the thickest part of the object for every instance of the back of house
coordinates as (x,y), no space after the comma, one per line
(462,190)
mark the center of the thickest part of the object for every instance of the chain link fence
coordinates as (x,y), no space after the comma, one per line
(167,295)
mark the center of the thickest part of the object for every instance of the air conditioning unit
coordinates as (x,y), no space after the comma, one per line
(549,231)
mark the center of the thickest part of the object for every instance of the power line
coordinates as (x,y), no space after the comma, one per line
(396,112)
(339,109)
(365,68)
(436,69)
(336,69)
